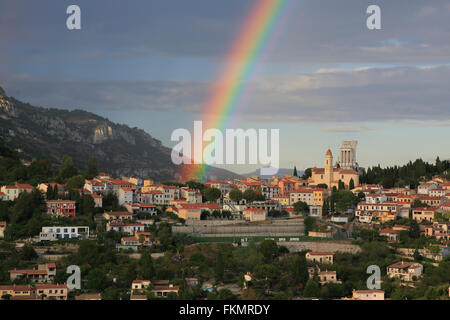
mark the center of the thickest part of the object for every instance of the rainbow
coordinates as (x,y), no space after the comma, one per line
(240,61)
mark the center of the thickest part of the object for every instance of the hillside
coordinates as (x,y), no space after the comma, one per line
(43,133)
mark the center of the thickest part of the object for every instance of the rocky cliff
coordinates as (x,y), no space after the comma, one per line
(120,150)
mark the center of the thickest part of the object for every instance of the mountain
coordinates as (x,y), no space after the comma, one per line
(281,173)
(48,133)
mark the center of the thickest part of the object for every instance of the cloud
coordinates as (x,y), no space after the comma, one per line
(92,95)
(348,129)
(341,98)
(319,31)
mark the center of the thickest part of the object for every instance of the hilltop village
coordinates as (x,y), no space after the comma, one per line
(291,237)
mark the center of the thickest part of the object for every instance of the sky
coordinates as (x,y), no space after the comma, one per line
(322,77)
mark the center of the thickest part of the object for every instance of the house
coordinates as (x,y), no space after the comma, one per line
(43,274)
(139,239)
(2,229)
(98,199)
(11,193)
(152,196)
(191,282)
(320,257)
(52,291)
(118,215)
(374,198)
(89,296)
(128,228)
(424,188)
(383,212)
(113,185)
(191,195)
(16,291)
(319,196)
(2,196)
(186,211)
(368,295)
(423,214)
(434,202)
(43,187)
(390,234)
(270,191)
(267,205)
(315,210)
(163,291)
(141,207)
(304,195)
(56,232)
(445,207)
(324,276)
(134,180)
(95,186)
(282,200)
(407,271)
(140,285)
(286,186)
(254,214)
(125,195)
(61,207)
(439,230)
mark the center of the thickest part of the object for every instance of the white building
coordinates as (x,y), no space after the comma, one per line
(68,232)
(129,228)
(305,195)
(425,188)
(373,198)
(125,195)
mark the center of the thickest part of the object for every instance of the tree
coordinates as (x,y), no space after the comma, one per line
(92,167)
(211,194)
(414,229)
(226,294)
(322,185)
(28,252)
(341,185)
(307,174)
(361,196)
(295,172)
(67,168)
(49,194)
(419,204)
(110,202)
(235,195)
(416,255)
(325,207)
(220,267)
(249,195)
(75,182)
(259,196)
(147,267)
(309,223)
(195,185)
(96,280)
(300,207)
(312,289)
(351,184)
(269,249)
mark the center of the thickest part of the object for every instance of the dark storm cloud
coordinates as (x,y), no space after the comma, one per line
(319,31)
(358,95)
